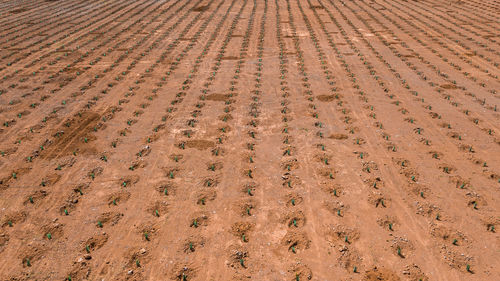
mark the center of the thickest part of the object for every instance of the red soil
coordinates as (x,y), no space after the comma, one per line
(250,139)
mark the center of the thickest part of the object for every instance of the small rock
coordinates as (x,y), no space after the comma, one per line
(130,272)
(87,257)
(142,251)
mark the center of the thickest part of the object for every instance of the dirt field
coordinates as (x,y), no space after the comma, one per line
(250,140)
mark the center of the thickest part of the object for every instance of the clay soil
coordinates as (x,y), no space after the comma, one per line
(249,140)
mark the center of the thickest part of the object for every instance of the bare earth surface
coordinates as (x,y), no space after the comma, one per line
(250,140)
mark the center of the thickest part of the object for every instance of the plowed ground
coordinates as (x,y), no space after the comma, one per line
(249,139)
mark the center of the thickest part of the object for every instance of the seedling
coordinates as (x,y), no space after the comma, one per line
(390,226)
(137,263)
(99,224)
(66,212)
(31,200)
(399,252)
(146,236)
(202,201)
(455,242)
(87,248)
(49,236)
(293,202)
